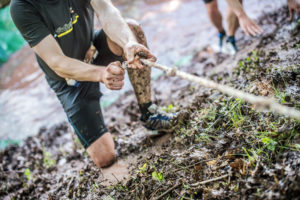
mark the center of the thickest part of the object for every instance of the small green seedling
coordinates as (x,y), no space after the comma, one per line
(269,143)
(158,176)
(143,169)
(95,186)
(48,161)
(168,109)
(27,173)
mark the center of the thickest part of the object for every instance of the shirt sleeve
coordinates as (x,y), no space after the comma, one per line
(28,21)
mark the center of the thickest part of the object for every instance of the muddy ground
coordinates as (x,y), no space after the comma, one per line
(223,149)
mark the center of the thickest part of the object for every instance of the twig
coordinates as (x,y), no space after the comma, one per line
(210,180)
(169,190)
(259,102)
(192,165)
(116,178)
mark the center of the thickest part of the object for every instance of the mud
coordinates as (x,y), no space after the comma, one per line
(175,29)
(257,153)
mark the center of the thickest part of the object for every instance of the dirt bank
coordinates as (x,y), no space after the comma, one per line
(223,150)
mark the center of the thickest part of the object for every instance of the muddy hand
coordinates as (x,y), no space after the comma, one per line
(90,54)
(134,51)
(114,76)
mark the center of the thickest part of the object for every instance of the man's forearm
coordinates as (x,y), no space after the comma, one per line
(112,22)
(74,69)
(237,7)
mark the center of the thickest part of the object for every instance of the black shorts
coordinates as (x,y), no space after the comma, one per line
(82,103)
(207,1)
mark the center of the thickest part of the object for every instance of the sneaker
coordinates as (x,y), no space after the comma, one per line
(222,38)
(230,46)
(158,120)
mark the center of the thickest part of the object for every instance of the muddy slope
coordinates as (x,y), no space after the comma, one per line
(223,150)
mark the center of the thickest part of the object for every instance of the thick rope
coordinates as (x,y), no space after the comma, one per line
(259,102)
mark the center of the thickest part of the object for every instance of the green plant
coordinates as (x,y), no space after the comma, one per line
(279,95)
(27,173)
(269,143)
(255,56)
(48,161)
(95,186)
(143,169)
(211,113)
(158,176)
(168,109)
(236,113)
(250,158)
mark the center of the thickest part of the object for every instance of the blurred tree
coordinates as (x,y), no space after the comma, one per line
(11,40)
(4,3)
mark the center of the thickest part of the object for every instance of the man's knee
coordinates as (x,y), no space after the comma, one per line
(137,31)
(102,151)
(106,160)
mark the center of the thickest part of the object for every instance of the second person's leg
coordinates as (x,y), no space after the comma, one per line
(216,19)
(214,14)
(232,26)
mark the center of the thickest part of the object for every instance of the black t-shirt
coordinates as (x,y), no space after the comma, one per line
(69,21)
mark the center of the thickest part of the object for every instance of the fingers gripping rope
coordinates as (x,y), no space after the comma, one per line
(259,102)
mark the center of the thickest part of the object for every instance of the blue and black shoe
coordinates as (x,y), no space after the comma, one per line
(231,47)
(222,37)
(159,121)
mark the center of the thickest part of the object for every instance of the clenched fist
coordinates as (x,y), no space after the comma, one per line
(113,77)
(133,52)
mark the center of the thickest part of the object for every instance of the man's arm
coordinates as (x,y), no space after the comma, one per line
(119,32)
(247,24)
(66,67)
(112,22)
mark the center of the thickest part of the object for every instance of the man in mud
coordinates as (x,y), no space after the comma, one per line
(235,16)
(61,32)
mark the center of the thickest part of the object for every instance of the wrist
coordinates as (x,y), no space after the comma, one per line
(99,74)
(241,15)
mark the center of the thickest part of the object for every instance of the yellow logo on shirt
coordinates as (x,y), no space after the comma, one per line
(67,28)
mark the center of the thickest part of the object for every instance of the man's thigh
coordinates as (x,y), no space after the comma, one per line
(82,106)
(105,55)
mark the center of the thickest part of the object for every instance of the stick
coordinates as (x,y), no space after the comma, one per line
(259,102)
(116,178)
(210,180)
(166,192)
(192,165)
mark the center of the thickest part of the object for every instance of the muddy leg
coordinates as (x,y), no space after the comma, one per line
(232,22)
(139,78)
(214,15)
